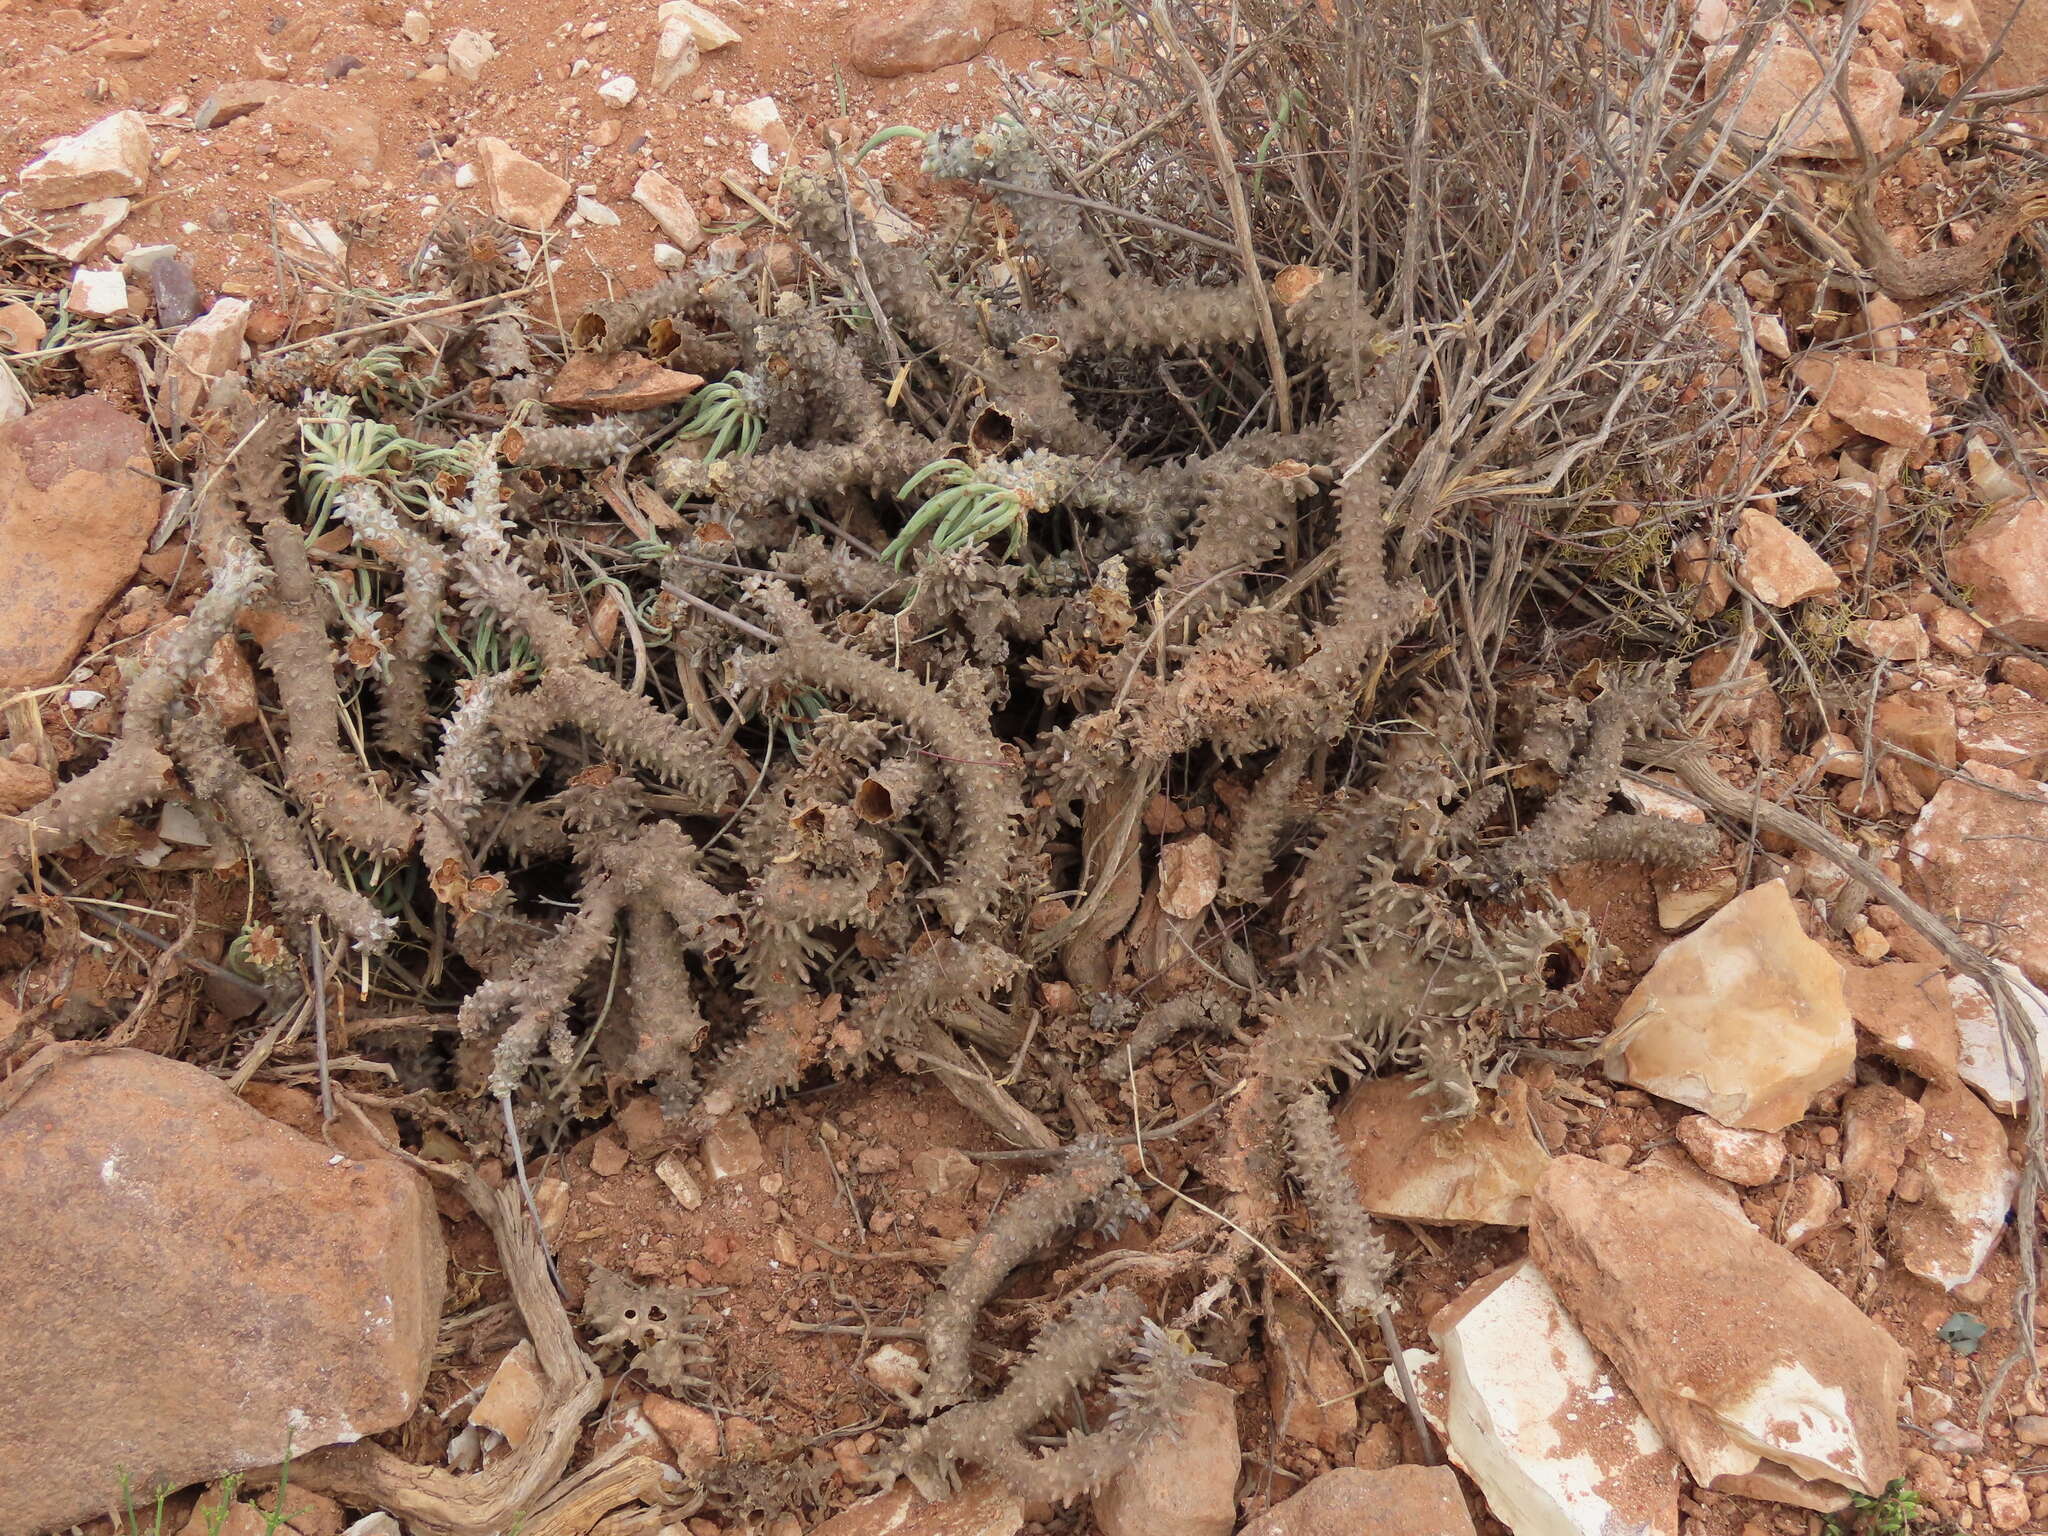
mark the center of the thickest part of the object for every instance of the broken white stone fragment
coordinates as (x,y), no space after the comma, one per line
(1748,1158)
(1986,1059)
(671,209)
(468,52)
(205,350)
(109,159)
(1966,1190)
(710,33)
(97,293)
(1743,1019)
(762,118)
(1539,1421)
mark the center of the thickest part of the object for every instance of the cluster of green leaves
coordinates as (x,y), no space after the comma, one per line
(724,412)
(967,509)
(337,447)
(1890,1513)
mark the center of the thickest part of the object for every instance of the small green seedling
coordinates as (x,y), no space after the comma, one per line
(1890,1513)
(968,509)
(725,412)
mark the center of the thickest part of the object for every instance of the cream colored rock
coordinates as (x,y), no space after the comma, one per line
(1537,1419)
(1810,1205)
(1887,403)
(1777,565)
(1904,1007)
(671,209)
(1764,1379)
(1184,1484)
(676,54)
(708,31)
(1902,639)
(1976,850)
(982,1507)
(1412,1168)
(1783,96)
(1742,1019)
(1401,1501)
(204,352)
(1879,1125)
(512,1402)
(732,1149)
(1311,1393)
(109,159)
(76,234)
(2003,561)
(98,293)
(468,52)
(1681,906)
(314,243)
(1967,1188)
(1985,1058)
(1748,1158)
(762,118)
(524,193)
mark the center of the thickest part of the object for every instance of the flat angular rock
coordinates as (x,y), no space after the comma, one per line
(1742,1019)
(1879,1126)
(468,52)
(1985,1059)
(1310,1389)
(524,193)
(1184,1485)
(74,234)
(1764,1379)
(1967,1188)
(1887,403)
(982,1507)
(2003,561)
(1810,1204)
(1401,1501)
(189,1283)
(1783,96)
(204,352)
(922,37)
(1780,567)
(1903,1005)
(1920,725)
(1976,849)
(618,381)
(1892,639)
(109,159)
(1537,1420)
(709,31)
(1748,1158)
(77,507)
(98,293)
(1416,1169)
(671,209)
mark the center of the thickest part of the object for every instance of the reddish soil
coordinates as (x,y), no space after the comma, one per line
(214,193)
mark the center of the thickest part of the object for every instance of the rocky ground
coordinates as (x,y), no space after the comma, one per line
(1739,1235)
